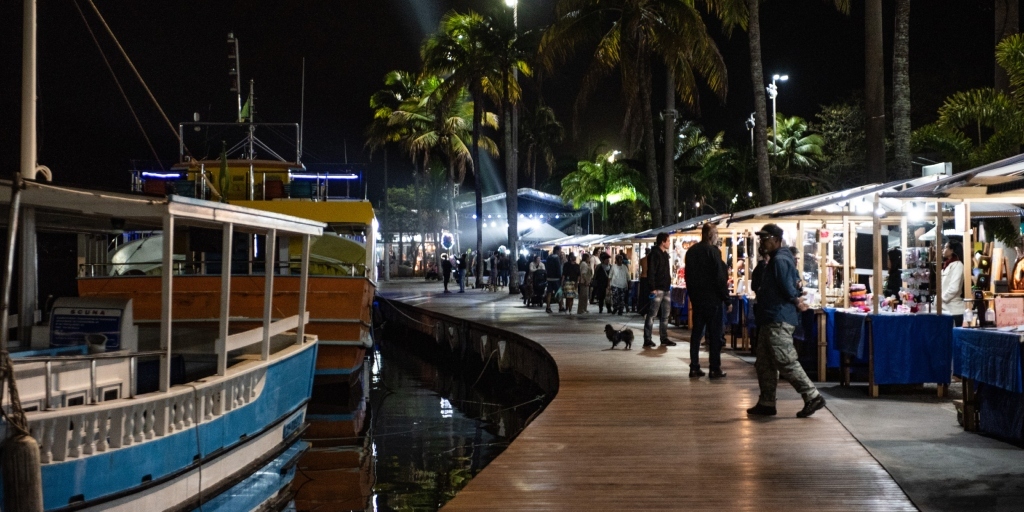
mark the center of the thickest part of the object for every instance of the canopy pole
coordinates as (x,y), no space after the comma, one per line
(937,246)
(876,259)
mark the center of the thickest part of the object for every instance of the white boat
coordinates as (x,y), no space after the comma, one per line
(166,414)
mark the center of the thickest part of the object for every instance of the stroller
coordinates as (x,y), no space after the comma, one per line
(535,286)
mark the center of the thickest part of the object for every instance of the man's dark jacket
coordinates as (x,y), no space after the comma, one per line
(553,267)
(659,276)
(778,289)
(706,282)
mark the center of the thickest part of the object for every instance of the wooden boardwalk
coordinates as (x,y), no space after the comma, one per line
(629,430)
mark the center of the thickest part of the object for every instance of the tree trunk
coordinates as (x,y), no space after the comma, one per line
(384,230)
(668,178)
(874,92)
(422,250)
(1007,23)
(478,108)
(511,191)
(901,91)
(453,216)
(650,153)
(764,177)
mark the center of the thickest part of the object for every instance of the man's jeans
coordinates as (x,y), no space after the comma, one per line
(707,323)
(660,305)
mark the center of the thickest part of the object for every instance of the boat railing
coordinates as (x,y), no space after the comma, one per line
(74,432)
(93,394)
(181,268)
(272,185)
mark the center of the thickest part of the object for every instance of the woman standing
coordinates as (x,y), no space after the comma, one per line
(953,281)
(570,280)
(586,276)
(619,283)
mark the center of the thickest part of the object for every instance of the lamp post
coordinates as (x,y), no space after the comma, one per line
(750,128)
(773,92)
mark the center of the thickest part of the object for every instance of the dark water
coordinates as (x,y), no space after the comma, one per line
(408,434)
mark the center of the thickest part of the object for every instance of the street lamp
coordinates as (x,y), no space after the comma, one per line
(773,91)
(750,128)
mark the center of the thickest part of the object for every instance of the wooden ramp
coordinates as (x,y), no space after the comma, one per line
(629,430)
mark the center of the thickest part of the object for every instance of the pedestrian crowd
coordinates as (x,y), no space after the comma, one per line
(563,280)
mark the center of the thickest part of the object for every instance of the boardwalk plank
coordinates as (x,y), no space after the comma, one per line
(630,431)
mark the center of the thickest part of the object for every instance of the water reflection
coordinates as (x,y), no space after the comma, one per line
(407,432)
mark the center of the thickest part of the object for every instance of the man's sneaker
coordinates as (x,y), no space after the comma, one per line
(761,410)
(811,406)
(649,344)
(716,374)
(696,373)
(668,343)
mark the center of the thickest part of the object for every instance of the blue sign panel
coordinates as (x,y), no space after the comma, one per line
(79,326)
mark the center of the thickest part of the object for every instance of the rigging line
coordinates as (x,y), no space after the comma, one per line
(139,76)
(119,88)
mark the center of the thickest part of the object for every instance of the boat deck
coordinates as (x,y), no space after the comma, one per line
(629,430)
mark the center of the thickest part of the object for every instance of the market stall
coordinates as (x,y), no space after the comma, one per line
(986,351)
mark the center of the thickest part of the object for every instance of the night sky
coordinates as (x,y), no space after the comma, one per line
(88,136)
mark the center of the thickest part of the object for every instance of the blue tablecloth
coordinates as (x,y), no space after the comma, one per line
(909,349)
(740,303)
(809,319)
(993,359)
(989,356)
(680,304)
(912,348)
(848,333)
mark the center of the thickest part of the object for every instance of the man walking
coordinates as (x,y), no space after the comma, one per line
(660,279)
(708,289)
(553,268)
(780,303)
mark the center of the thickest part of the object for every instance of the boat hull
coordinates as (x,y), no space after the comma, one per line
(195,462)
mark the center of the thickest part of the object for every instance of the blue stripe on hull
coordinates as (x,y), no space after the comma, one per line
(261,485)
(288,384)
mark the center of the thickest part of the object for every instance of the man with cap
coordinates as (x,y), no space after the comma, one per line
(780,304)
(708,289)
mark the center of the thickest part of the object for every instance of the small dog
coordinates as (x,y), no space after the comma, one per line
(624,336)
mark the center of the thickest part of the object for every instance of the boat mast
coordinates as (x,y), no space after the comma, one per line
(236,71)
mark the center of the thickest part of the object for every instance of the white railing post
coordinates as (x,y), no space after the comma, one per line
(225,299)
(166,297)
(268,293)
(303,289)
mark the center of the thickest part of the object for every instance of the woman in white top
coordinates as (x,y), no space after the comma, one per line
(619,283)
(953,281)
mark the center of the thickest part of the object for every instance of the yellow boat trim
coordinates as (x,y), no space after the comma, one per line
(330,212)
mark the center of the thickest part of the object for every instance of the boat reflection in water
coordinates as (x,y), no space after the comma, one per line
(406,433)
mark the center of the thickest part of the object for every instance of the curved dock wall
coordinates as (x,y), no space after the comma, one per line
(477,345)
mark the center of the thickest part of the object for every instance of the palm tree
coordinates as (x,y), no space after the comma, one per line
(967,117)
(468,51)
(439,125)
(901,90)
(874,92)
(746,14)
(398,85)
(539,133)
(629,34)
(1007,17)
(603,180)
(798,158)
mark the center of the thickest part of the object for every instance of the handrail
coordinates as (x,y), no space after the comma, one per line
(85,357)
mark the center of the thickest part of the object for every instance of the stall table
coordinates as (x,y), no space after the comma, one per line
(990,363)
(680,312)
(741,315)
(819,329)
(898,348)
